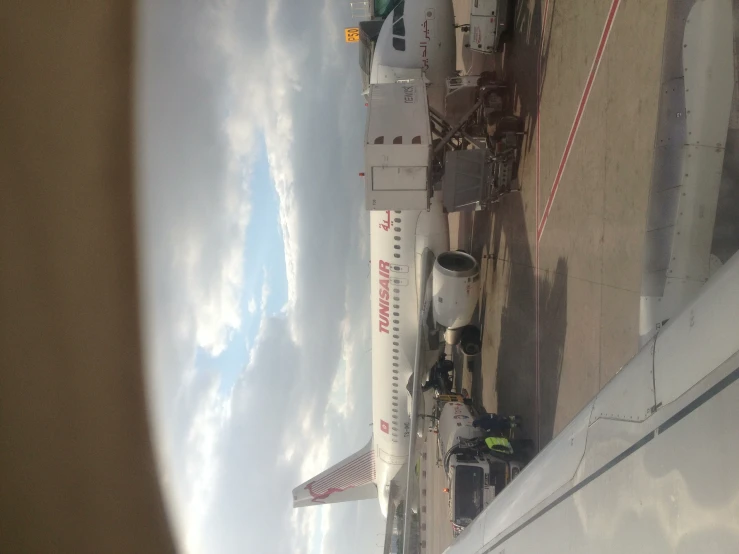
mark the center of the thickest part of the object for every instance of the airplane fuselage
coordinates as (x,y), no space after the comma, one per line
(418,34)
(398,241)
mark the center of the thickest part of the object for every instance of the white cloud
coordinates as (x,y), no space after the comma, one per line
(268,72)
(216,302)
(195,199)
(263,103)
(342,388)
(201,464)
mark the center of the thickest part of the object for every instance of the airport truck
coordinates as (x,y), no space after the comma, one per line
(490,26)
(474,474)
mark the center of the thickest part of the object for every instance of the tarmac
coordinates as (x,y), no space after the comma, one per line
(562,258)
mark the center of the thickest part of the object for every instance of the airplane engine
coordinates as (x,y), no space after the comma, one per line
(456,288)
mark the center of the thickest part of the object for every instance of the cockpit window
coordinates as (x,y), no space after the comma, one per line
(398,23)
(382,8)
(399,28)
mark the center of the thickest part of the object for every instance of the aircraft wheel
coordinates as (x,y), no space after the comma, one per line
(471,343)
(470,349)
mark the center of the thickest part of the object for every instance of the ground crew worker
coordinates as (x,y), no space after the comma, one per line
(499,444)
(440,376)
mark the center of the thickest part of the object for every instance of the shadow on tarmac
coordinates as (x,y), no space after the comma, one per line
(513,374)
(521,56)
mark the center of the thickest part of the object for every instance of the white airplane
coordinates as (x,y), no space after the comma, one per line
(417,34)
(399,243)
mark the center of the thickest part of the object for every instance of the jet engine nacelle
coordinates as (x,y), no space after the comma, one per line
(456,288)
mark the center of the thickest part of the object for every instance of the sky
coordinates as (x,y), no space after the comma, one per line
(254,253)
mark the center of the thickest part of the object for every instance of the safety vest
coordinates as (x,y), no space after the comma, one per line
(499,444)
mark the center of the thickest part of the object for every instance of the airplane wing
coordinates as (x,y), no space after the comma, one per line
(688,234)
(649,465)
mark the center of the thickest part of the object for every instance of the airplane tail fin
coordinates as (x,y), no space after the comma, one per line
(351,479)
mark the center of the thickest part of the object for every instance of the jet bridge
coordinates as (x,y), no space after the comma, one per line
(411,150)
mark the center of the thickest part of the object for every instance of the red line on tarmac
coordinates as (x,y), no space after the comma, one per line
(536,245)
(578,116)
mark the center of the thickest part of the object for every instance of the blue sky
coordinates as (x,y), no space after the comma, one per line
(265,282)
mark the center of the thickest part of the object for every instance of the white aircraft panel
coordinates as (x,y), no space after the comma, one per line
(709,83)
(698,83)
(702,337)
(696,214)
(630,394)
